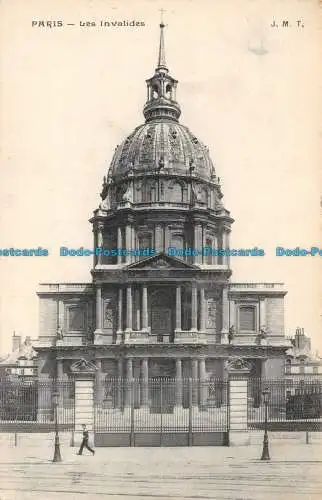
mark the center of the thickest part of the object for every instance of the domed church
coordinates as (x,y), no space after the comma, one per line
(158,305)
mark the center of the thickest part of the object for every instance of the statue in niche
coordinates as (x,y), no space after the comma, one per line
(108,314)
(127,195)
(161,163)
(90,333)
(59,333)
(196,194)
(231,334)
(105,204)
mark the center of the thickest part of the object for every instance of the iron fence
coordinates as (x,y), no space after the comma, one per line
(292,404)
(27,405)
(161,405)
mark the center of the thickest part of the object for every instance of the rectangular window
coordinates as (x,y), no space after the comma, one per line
(247,321)
(76,319)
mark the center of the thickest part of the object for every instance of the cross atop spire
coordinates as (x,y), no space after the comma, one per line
(161,95)
(161,59)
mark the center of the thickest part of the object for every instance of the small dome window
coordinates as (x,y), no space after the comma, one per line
(155,91)
(168,91)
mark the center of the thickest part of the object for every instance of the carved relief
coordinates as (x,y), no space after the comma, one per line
(211,312)
(160,263)
(108,313)
(237,364)
(83,366)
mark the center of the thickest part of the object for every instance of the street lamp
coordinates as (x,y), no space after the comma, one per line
(265,452)
(57,455)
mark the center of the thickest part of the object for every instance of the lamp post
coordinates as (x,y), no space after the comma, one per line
(265,452)
(57,455)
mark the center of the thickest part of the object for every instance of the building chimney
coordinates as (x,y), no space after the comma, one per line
(16,342)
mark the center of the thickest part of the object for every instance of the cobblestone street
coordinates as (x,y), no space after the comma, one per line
(27,473)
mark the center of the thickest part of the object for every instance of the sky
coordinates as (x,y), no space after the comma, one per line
(69,95)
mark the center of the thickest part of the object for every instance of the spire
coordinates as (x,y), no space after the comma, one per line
(161,89)
(161,59)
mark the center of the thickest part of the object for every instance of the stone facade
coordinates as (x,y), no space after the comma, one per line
(160,314)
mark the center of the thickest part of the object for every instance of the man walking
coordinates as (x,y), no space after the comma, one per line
(85,442)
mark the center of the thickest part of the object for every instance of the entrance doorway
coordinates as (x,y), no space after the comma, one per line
(161,323)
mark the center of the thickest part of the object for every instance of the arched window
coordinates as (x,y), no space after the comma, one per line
(204,195)
(145,241)
(146,192)
(247,319)
(177,241)
(155,92)
(168,91)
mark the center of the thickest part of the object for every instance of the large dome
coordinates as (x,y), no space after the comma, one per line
(162,144)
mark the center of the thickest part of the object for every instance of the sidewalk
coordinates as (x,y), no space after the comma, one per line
(220,473)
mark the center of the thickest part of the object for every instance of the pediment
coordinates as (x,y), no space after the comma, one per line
(161,261)
(83,366)
(238,364)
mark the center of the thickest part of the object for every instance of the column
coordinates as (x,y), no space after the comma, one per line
(100,389)
(120,310)
(225,316)
(262,313)
(195,381)
(120,383)
(178,382)
(203,382)
(128,382)
(194,306)
(215,247)
(144,307)
(198,243)
(128,241)
(202,310)
(158,238)
(61,318)
(60,370)
(119,244)
(98,309)
(232,314)
(129,307)
(226,258)
(221,245)
(137,309)
(178,307)
(204,235)
(145,381)
(166,239)
(100,241)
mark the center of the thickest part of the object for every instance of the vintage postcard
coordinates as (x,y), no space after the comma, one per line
(160,249)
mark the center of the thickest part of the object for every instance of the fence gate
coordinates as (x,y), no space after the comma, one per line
(161,412)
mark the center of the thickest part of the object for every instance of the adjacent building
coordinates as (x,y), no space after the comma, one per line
(22,361)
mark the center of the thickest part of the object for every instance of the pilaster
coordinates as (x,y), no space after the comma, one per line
(238,374)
